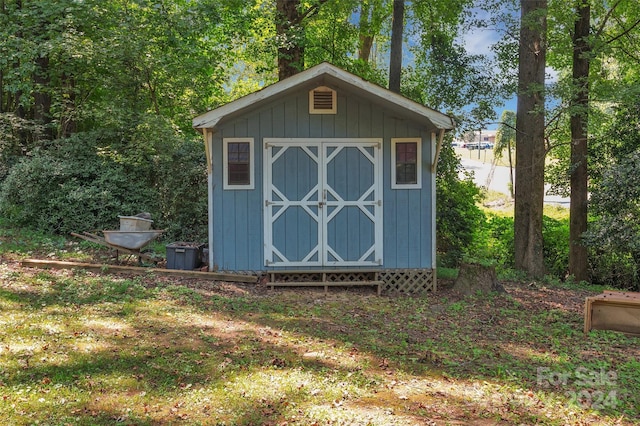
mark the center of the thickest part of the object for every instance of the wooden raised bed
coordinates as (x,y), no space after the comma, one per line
(613,310)
(216,276)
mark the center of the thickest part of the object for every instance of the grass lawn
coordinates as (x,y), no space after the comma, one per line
(93,349)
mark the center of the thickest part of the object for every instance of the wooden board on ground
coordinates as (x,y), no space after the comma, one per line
(217,276)
(613,310)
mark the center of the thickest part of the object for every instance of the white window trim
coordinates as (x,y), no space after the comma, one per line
(418,184)
(225,166)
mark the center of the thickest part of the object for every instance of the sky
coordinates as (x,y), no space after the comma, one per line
(480,41)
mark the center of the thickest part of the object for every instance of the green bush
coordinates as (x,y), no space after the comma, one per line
(613,269)
(555,235)
(60,195)
(501,240)
(84,182)
(613,236)
(494,243)
(458,217)
(182,191)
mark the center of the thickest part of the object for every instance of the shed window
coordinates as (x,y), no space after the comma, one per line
(405,158)
(322,100)
(238,163)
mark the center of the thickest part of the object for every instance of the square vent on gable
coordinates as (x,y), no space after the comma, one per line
(323,100)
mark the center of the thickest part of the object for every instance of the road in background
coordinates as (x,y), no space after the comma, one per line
(498,179)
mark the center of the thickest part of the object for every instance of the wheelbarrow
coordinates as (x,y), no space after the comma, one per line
(130,242)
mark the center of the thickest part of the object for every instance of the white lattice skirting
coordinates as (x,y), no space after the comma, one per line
(408,281)
(391,281)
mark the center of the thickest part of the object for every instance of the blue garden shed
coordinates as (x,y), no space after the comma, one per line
(324,177)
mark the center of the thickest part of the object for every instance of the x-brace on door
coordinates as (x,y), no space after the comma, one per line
(323,202)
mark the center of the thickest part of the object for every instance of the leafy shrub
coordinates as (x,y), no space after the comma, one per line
(458,217)
(182,191)
(60,195)
(555,236)
(18,136)
(613,237)
(613,269)
(494,243)
(84,182)
(500,240)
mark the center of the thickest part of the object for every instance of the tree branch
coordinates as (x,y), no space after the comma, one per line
(309,12)
(603,24)
(628,53)
(625,32)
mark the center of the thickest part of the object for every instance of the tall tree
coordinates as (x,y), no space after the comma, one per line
(291,36)
(444,74)
(395,57)
(372,15)
(578,257)
(592,48)
(505,140)
(530,150)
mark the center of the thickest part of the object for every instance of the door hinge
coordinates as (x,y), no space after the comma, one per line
(267,203)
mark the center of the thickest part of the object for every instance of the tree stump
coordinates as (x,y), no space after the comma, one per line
(474,278)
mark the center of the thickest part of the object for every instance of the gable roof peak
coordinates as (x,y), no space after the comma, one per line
(211,118)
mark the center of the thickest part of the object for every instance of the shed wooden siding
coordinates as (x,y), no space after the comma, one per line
(238,228)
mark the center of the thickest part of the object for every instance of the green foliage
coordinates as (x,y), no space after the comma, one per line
(494,242)
(499,241)
(555,234)
(182,191)
(614,237)
(613,233)
(506,135)
(61,193)
(458,217)
(445,74)
(18,137)
(84,182)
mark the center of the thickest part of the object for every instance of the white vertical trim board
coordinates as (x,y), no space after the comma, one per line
(208,143)
(433,209)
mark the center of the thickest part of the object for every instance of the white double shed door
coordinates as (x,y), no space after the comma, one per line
(323,202)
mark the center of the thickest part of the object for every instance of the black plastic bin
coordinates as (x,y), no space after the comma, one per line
(184,255)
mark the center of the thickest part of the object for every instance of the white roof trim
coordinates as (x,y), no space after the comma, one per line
(211,118)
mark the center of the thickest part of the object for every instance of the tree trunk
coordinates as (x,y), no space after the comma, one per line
(41,97)
(365,38)
(290,49)
(578,258)
(68,123)
(474,278)
(2,106)
(511,188)
(395,57)
(530,138)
